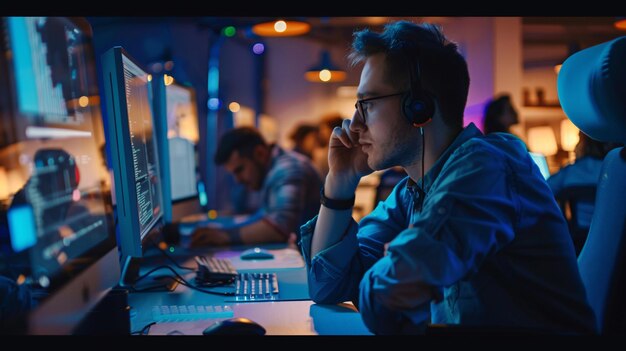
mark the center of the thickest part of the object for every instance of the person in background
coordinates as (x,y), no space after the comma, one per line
(584,172)
(305,139)
(472,236)
(320,155)
(288,183)
(586,168)
(500,115)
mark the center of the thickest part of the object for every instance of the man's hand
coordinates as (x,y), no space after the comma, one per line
(209,237)
(347,162)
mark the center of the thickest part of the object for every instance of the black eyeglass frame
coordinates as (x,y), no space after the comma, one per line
(359,107)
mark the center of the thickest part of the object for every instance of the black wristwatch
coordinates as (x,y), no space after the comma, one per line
(334,204)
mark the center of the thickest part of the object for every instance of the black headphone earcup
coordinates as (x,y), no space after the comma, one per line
(417,109)
(406,107)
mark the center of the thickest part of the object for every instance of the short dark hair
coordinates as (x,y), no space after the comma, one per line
(242,139)
(493,113)
(442,70)
(301,131)
(332,120)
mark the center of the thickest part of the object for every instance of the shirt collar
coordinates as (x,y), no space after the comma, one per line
(469,132)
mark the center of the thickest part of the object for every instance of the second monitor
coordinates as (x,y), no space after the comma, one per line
(134,155)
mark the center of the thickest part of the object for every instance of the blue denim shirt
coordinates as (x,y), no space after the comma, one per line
(488,247)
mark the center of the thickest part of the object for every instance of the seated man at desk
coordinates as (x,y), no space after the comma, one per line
(472,236)
(289,185)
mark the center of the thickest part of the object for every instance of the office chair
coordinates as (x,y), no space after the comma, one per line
(579,200)
(591,92)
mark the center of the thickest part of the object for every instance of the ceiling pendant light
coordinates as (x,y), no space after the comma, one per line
(325,71)
(281,28)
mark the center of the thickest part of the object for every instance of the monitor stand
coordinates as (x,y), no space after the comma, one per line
(155,282)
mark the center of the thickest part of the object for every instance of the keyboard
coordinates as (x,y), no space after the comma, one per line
(214,270)
(183,313)
(256,287)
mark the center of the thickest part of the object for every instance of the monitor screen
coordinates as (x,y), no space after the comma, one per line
(176,124)
(56,219)
(542,163)
(182,112)
(182,169)
(134,152)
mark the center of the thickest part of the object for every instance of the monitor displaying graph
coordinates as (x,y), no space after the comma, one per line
(56,221)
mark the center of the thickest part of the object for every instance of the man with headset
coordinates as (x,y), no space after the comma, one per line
(472,236)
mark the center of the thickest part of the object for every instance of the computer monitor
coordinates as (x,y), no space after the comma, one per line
(542,163)
(57,236)
(177,132)
(183,135)
(134,155)
(182,111)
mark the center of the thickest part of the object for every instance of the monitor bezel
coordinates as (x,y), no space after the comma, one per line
(130,245)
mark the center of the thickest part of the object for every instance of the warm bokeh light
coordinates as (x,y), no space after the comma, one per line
(149,77)
(542,140)
(4,184)
(620,24)
(280,26)
(325,75)
(212,214)
(83,101)
(168,80)
(557,68)
(569,135)
(234,107)
(168,65)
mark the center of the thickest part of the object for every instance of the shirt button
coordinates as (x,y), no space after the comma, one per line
(441,211)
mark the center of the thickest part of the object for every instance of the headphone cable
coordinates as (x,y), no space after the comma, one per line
(421,187)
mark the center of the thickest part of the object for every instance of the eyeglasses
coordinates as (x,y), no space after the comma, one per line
(359,103)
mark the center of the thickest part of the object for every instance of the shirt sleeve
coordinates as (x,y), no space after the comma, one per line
(335,272)
(286,201)
(468,214)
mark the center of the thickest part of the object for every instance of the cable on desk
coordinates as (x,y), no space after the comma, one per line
(156,244)
(145,330)
(180,279)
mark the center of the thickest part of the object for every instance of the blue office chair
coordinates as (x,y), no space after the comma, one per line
(592,93)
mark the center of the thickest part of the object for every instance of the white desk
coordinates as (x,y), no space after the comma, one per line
(302,317)
(282,318)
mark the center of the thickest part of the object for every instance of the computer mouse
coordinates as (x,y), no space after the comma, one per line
(235,326)
(256,253)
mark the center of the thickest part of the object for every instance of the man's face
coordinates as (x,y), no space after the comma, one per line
(384,134)
(247,171)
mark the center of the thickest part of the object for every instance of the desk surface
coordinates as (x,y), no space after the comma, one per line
(282,318)
(302,317)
